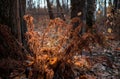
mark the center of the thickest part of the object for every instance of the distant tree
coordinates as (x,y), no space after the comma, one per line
(29,5)
(60,10)
(90,12)
(116,4)
(18,20)
(104,7)
(51,15)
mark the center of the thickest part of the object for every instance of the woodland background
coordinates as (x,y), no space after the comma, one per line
(59,39)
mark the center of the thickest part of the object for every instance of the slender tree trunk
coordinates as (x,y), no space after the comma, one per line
(22,22)
(115,4)
(118,4)
(60,10)
(67,6)
(50,10)
(90,12)
(105,8)
(18,21)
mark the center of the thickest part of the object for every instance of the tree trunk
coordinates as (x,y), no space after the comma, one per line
(105,8)
(60,10)
(10,15)
(117,4)
(10,48)
(4,12)
(18,21)
(51,15)
(90,12)
(22,22)
(67,6)
(77,8)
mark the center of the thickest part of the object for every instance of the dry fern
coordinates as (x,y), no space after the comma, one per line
(55,49)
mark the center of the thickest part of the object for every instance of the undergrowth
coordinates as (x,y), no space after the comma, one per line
(57,50)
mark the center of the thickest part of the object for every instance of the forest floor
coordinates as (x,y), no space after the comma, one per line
(104,61)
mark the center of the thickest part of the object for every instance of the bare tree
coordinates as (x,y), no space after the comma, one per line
(22,22)
(30,4)
(18,21)
(51,15)
(90,12)
(117,4)
(105,8)
(60,10)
